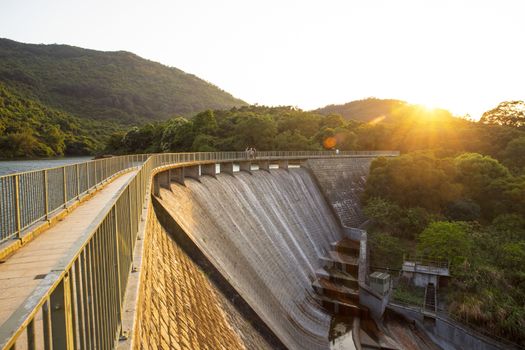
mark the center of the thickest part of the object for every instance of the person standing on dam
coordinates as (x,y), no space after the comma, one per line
(250,153)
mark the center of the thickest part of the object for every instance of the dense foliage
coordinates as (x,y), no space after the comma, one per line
(408,128)
(117,86)
(468,209)
(29,129)
(264,128)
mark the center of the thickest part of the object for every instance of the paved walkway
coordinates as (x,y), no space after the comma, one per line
(19,275)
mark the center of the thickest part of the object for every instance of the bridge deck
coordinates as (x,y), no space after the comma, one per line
(19,275)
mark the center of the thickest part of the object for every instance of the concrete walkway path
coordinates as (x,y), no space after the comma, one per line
(23,271)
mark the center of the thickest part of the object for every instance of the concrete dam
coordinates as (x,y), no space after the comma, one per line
(266,232)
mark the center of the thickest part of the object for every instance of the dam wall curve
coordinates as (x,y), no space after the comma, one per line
(265,232)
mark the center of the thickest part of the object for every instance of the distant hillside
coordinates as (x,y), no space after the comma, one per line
(117,86)
(29,129)
(363,110)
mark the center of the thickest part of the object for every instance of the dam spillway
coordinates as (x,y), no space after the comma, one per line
(265,232)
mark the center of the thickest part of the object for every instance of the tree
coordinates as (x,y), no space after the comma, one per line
(414,180)
(508,227)
(177,135)
(508,113)
(390,217)
(484,180)
(345,139)
(305,123)
(204,143)
(293,141)
(384,213)
(115,141)
(54,138)
(386,250)
(146,139)
(256,131)
(205,123)
(332,121)
(514,155)
(446,240)
(463,210)
(23,144)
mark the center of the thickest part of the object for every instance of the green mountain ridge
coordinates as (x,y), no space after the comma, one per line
(364,110)
(118,86)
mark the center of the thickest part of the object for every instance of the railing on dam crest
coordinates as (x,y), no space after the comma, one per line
(79,303)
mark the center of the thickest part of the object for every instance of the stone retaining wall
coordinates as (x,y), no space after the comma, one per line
(342,181)
(179,307)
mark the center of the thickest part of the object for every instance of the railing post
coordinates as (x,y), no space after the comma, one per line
(78,182)
(87,177)
(31,335)
(17,206)
(131,220)
(61,319)
(95,172)
(64,177)
(46,324)
(46,195)
(117,267)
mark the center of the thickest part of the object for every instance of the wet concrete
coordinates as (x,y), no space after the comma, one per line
(265,232)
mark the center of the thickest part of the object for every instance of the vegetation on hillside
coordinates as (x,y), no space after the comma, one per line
(61,100)
(117,86)
(29,129)
(468,209)
(363,110)
(409,128)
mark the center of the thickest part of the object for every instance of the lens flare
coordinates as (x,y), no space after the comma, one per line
(329,142)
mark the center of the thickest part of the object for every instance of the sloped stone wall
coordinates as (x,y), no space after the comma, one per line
(179,307)
(342,181)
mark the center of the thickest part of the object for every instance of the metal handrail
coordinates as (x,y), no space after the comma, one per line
(427,261)
(80,301)
(31,197)
(455,321)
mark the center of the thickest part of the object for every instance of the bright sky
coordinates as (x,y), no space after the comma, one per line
(466,56)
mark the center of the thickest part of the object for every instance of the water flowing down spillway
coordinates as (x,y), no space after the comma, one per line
(265,233)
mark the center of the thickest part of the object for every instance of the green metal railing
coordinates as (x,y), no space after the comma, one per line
(78,305)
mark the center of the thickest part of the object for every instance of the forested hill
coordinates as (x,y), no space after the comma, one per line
(117,86)
(29,129)
(363,110)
